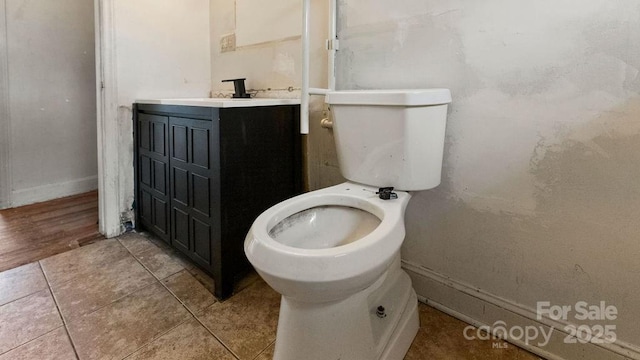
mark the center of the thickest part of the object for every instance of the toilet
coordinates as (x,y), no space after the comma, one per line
(334,253)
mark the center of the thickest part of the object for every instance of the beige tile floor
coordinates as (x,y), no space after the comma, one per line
(133,298)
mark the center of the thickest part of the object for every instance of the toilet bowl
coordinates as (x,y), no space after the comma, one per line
(327,244)
(334,253)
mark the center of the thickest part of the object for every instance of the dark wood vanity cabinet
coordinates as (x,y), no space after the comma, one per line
(204,174)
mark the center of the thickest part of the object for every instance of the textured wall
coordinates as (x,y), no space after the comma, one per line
(540,198)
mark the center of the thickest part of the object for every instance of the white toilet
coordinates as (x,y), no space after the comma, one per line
(334,253)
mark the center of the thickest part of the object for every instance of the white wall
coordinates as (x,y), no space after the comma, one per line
(272,68)
(540,199)
(257,24)
(272,65)
(49,110)
(161,50)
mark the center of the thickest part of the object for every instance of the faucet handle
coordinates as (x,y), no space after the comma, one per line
(238,85)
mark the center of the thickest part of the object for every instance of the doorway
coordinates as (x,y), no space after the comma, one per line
(47,101)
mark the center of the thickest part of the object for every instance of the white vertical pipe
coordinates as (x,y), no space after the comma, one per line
(333,34)
(304,96)
(331,62)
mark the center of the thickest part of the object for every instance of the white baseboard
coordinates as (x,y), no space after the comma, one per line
(53,191)
(480,308)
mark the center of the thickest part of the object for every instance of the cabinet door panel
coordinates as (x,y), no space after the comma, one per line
(144,134)
(201,194)
(159,176)
(202,240)
(160,218)
(145,207)
(200,147)
(145,170)
(179,142)
(159,138)
(180,186)
(181,232)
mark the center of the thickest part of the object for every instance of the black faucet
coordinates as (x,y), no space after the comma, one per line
(238,85)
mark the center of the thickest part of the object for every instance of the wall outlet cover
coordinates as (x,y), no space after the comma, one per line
(228,43)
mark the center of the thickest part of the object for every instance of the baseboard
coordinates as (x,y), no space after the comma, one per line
(480,308)
(53,191)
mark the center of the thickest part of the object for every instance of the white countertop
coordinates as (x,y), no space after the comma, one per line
(221,102)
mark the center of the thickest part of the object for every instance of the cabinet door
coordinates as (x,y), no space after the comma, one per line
(153,173)
(193,194)
(260,167)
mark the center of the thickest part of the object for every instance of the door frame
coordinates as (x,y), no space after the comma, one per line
(6,181)
(109,181)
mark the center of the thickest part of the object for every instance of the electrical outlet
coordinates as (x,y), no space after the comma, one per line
(228,43)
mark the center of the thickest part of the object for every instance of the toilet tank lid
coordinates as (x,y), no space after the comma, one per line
(407,97)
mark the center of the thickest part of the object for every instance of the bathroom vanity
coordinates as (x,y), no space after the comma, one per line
(206,168)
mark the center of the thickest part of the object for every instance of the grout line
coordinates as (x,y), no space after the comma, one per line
(32,340)
(113,302)
(265,349)
(200,322)
(155,338)
(218,338)
(146,267)
(66,252)
(171,253)
(22,297)
(180,300)
(64,322)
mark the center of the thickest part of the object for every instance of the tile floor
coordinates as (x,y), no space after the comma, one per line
(132,298)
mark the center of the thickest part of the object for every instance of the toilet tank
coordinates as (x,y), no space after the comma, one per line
(390,137)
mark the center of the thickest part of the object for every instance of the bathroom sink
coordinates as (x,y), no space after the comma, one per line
(221,102)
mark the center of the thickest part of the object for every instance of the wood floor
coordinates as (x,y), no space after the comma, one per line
(34,232)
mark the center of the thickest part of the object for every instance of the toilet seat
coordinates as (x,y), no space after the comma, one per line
(325,226)
(327,273)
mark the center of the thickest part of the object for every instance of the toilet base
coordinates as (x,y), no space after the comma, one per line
(403,336)
(353,328)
